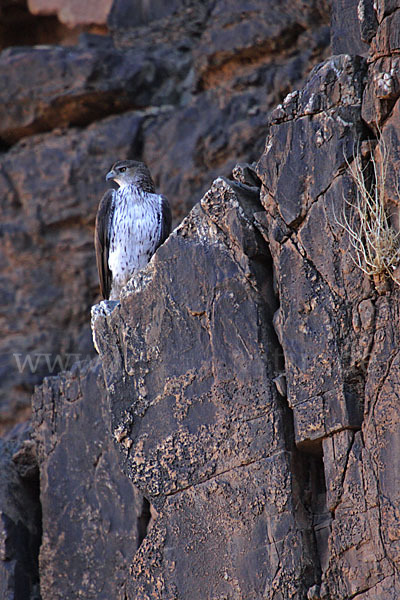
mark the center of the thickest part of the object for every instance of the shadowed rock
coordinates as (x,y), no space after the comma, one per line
(20,516)
(312,134)
(91,511)
(265,462)
(54,86)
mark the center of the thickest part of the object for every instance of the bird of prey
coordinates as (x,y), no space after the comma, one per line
(131,223)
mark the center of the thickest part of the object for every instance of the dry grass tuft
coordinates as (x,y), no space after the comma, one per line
(375,241)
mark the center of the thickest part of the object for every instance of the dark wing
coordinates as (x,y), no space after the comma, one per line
(102,241)
(166,220)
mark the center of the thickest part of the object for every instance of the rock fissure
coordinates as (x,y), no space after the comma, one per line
(343,475)
(309,487)
(371,411)
(363,591)
(218,474)
(302,252)
(143,521)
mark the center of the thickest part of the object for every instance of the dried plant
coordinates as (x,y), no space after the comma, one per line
(375,241)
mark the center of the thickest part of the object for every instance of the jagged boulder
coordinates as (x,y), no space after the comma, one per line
(189,356)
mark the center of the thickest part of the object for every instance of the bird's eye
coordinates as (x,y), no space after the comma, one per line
(122,169)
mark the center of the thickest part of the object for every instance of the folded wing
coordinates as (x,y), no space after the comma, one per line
(102,241)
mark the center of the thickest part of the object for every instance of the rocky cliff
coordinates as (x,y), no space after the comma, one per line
(237,436)
(186,88)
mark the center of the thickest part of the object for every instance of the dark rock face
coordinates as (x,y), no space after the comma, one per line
(337,331)
(20,516)
(91,511)
(363,552)
(124,13)
(338,336)
(164,87)
(383,84)
(353,25)
(236,78)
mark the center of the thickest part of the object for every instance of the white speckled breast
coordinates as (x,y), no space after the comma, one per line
(135,231)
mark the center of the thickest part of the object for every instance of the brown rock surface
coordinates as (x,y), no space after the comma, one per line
(73,12)
(383,83)
(364,544)
(311,136)
(338,333)
(48,87)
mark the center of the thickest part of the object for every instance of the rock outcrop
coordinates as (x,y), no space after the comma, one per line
(237,437)
(203,436)
(305,180)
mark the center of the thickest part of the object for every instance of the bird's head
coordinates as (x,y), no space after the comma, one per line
(131,172)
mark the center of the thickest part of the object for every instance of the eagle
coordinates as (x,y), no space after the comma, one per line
(131,223)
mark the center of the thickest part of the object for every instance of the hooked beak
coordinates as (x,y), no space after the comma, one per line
(110,176)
